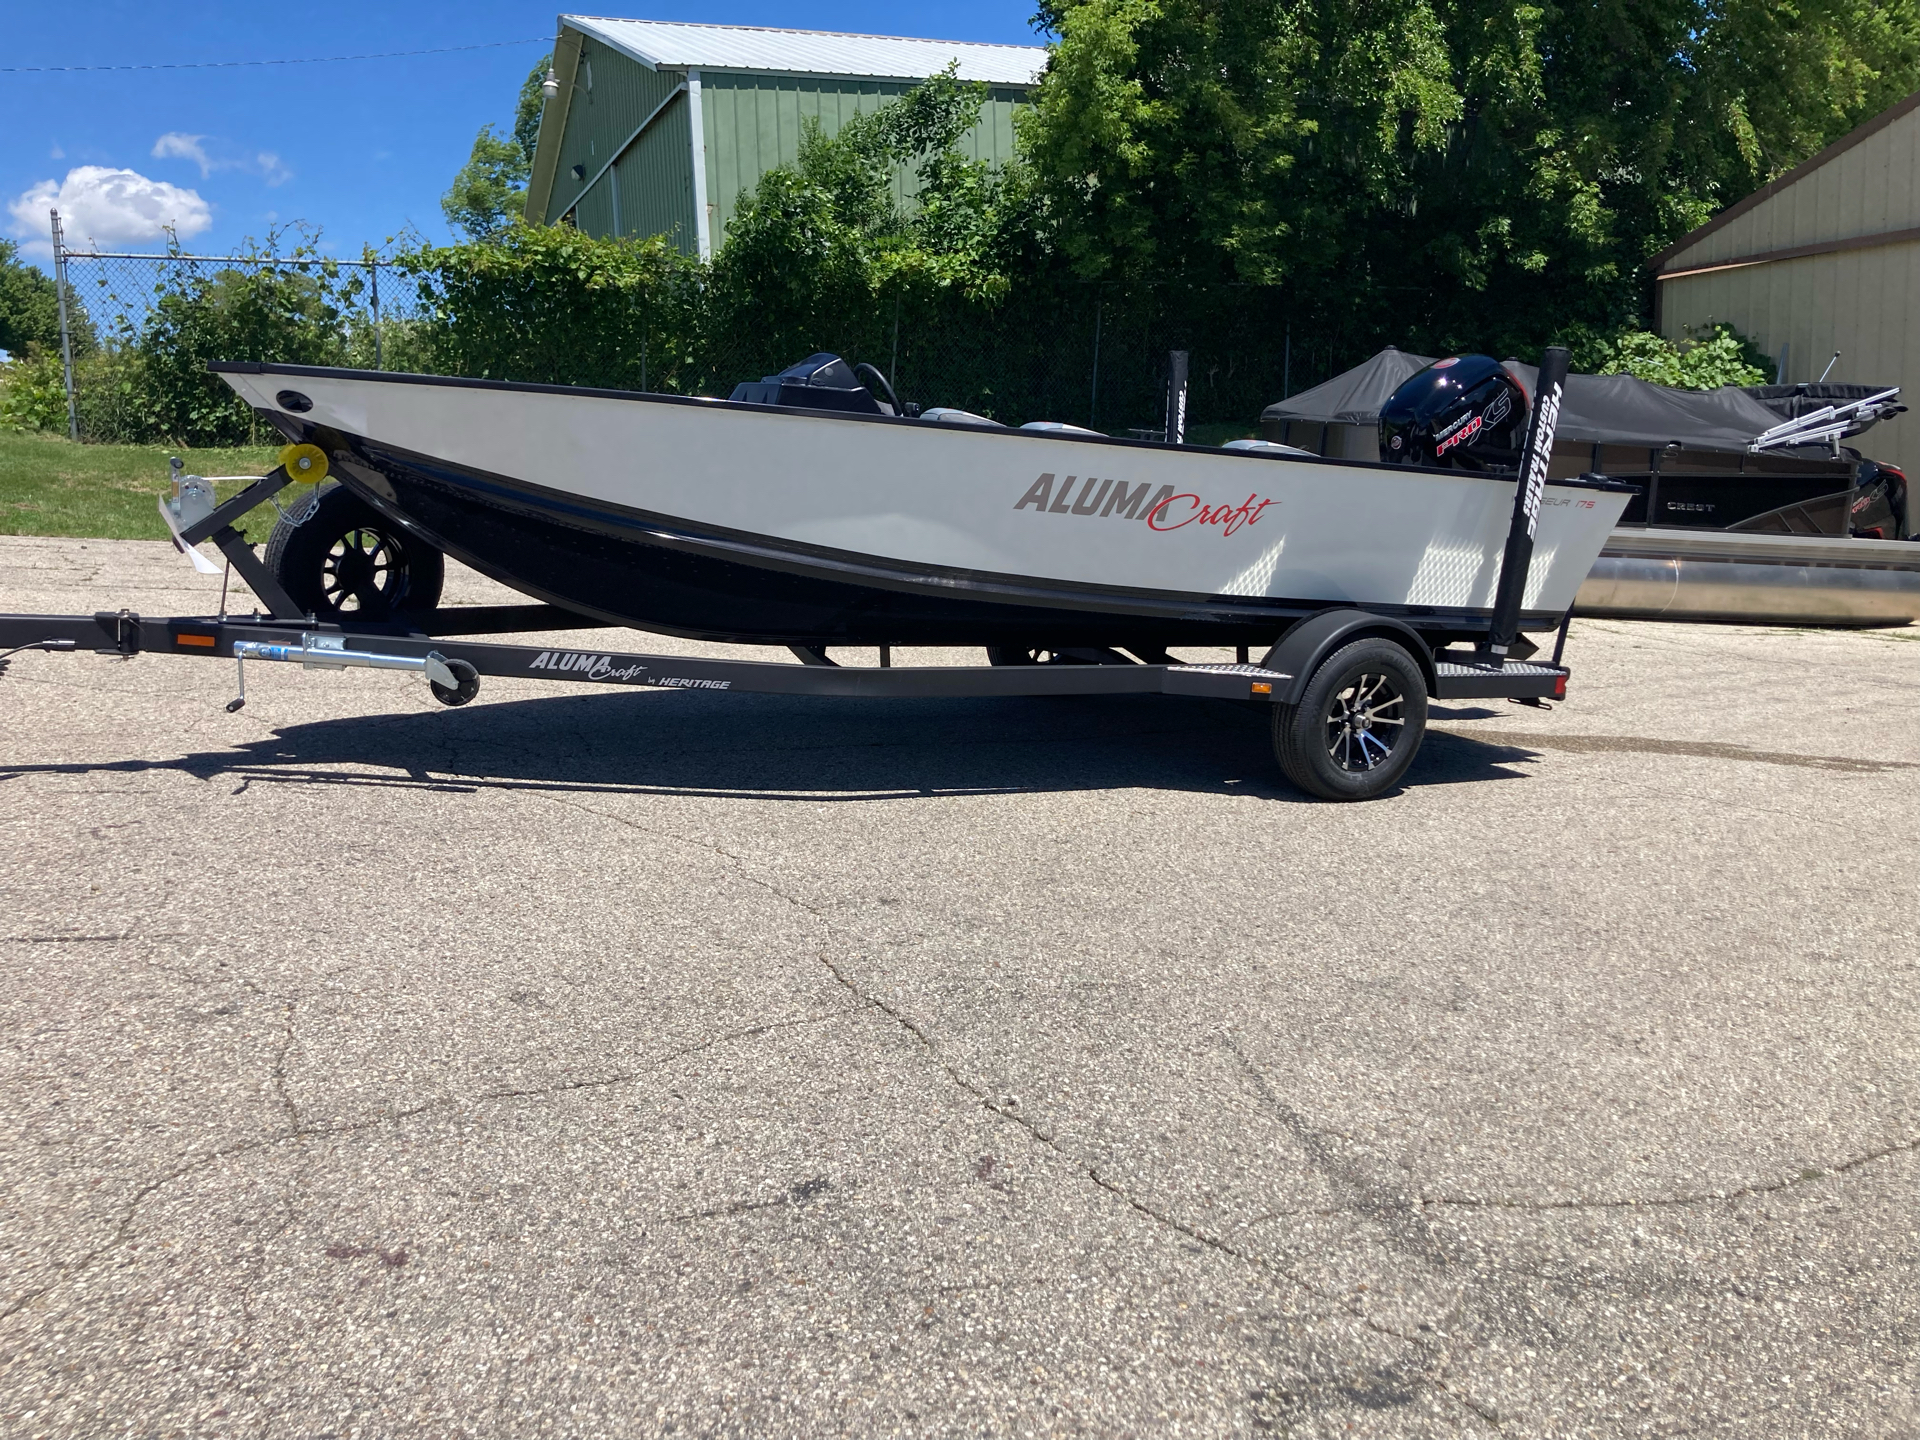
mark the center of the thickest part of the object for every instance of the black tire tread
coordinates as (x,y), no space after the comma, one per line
(1297,728)
(295,553)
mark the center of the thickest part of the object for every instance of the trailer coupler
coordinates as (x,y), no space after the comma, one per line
(453,682)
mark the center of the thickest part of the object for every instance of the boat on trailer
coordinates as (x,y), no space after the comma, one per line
(822,518)
(809,512)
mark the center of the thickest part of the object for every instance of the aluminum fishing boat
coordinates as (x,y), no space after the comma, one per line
(808,511)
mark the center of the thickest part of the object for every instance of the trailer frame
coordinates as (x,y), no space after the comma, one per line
(437,635)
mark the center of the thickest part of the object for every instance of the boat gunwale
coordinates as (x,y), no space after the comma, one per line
(394,377)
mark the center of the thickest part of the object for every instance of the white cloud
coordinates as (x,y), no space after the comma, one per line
(178,145)
(106,207)
(56,153)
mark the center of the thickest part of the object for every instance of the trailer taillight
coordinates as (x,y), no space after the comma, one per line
(1559,687)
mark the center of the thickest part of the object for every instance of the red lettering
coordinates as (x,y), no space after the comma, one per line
(1154,515)
(1227,516)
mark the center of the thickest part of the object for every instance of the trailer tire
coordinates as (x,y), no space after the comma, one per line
(1328,744)
(346,561)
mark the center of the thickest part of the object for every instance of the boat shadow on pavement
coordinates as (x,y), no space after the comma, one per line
(799,748)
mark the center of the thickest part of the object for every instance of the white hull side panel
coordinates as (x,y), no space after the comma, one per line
(949,496)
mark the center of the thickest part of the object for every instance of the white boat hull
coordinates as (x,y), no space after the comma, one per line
(694,517)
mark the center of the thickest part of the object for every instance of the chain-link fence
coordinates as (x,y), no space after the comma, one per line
(138,330)
(142,327)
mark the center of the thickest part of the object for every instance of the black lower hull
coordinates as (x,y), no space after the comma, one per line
(654,573)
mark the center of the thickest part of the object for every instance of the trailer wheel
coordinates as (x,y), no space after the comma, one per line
(467,687)
(1358,725)
(346,561)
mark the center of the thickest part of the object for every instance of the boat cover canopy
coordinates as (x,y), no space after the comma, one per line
(1610,409)
(1353,397)
(1620,410)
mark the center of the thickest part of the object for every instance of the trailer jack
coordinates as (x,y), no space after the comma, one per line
(453,682)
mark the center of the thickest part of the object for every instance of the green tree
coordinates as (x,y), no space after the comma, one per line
(821,250)
(489,191)
(29,305)
(1443,173)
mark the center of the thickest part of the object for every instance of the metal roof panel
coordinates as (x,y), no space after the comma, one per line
(810,52)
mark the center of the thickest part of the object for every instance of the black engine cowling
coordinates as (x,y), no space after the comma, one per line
(1467,412)
(819,382)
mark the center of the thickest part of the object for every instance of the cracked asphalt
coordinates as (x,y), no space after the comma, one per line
(651,1063)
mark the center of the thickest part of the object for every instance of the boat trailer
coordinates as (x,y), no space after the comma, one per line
(453,666)
(1348,688)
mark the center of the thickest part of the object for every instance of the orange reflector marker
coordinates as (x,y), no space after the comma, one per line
(1261,687)
(204,642)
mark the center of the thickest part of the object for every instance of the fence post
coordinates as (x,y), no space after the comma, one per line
(379,359)
(66,334)
(1093,402)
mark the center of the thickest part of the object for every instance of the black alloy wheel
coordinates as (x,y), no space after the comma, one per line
(345,561)
(1358,725)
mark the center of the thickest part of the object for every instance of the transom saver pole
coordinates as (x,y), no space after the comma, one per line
(1518,559)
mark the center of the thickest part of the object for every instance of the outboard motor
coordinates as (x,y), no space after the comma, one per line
(1467,413)
(820,382)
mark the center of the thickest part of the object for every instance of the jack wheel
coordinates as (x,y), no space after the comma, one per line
(466,687)
(346,561)
(1358,725)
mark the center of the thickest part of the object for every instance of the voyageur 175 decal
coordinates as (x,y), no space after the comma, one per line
(1163,509)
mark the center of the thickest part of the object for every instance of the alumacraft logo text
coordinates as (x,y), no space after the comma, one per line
(601,667)
(1166,509)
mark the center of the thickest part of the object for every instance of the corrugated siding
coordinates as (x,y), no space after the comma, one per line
(1870,188)
(600,119)
(753,123)
(656,180)
(1859,302)
(594,211)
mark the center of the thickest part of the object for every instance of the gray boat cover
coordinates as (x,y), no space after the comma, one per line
(1353,397)
(1613,409)
(1620,410)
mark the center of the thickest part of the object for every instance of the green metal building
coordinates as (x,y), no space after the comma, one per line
(658,128)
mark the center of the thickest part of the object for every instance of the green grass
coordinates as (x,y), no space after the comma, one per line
(51,486)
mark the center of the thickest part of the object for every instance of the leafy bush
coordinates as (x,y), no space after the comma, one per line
(33,392)
(549,305)
(1720,356)
(294,314)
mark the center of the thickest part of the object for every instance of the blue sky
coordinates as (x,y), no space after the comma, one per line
(361,149)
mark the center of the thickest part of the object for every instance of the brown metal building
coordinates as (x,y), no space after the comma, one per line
(1825,258)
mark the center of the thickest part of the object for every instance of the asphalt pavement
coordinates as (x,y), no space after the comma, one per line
(642,1063)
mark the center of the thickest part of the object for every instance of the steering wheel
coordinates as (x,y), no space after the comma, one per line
(894,400)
